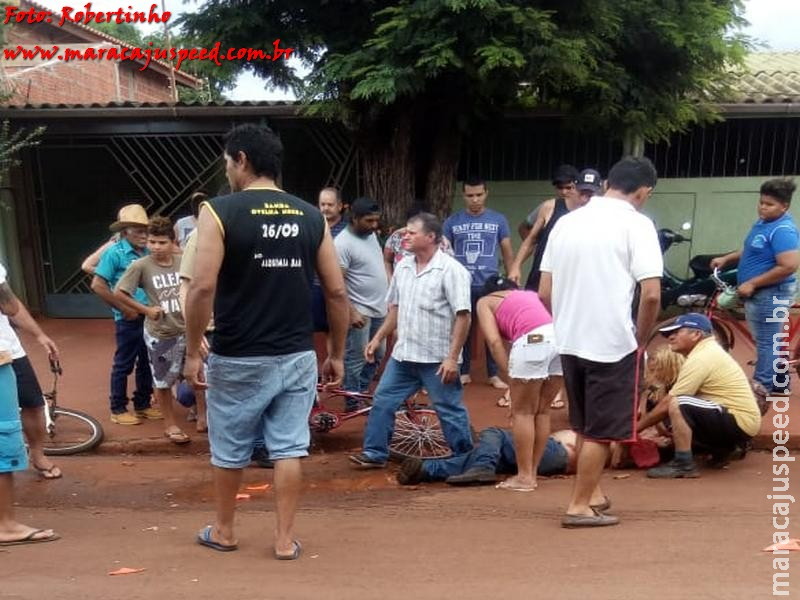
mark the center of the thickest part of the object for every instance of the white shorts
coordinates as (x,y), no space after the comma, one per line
(534,355)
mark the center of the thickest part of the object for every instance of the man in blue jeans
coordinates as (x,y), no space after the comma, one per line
(131,350)
(429,305)
(494,455)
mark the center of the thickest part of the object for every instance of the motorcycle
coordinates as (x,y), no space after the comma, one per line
(693,291)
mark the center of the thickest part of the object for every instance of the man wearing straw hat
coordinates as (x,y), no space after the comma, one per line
(131,350)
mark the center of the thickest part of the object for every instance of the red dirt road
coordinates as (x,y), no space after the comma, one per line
(365,537)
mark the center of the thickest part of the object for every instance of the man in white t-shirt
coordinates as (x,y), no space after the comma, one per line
(593,261)
(13,456)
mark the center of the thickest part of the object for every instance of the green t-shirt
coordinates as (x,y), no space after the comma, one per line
(162,286)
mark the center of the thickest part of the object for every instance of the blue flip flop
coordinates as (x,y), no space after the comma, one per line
(298,550)
(204,538)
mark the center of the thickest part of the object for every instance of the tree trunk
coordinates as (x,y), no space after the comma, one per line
(388,159)
(442,170)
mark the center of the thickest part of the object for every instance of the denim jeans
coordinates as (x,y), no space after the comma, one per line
(131,350)
(399,381)
(358,372)
(495,452)
(466,356)
(765,313)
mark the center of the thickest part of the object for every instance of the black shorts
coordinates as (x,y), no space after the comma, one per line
(28,390)
(602,397)
(319,314)
(713,427)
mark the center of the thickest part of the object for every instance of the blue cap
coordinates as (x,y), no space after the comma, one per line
(690,321)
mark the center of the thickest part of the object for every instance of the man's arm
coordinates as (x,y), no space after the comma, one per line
(336,302)
(384,331)
(546,290)
(508,254)
(649,305)
(200,297)
(786,264)
(732,258)
(659,412)
(100,287)
(9,305)
(529,241)
(130,304)
(448,370)
(90,263)
(26,322)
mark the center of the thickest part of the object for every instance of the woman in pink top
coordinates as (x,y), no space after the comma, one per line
(509,316)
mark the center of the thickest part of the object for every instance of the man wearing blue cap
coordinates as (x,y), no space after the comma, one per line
(711,405)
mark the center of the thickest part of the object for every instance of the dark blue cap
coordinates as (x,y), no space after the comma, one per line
(690,321)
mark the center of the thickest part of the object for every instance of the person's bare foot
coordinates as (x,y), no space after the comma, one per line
(201,426)
(44,466)
(518,484)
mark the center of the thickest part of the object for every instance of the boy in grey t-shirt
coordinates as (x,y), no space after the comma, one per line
(158,275)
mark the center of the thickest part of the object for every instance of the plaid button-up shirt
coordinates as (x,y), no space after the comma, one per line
(427,303)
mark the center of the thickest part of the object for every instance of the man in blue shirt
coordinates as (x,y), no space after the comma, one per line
(479,236)
(132,226)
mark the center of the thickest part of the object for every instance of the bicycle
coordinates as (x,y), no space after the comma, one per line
(68,431)
(417,430)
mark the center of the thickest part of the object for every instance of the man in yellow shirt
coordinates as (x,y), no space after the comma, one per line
(711,404)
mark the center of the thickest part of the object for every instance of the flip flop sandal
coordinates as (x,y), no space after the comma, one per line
(515,487)
(297,550)
(204,539)
(177,437)
(31,539)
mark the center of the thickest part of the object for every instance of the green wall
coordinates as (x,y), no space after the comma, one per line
(720,211)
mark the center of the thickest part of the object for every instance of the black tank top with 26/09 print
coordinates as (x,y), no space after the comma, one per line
(263,300)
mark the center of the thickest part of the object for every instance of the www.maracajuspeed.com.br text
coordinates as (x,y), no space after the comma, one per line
(110,52)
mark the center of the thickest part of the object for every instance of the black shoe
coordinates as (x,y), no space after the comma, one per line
(474,476)
(411,472)
(261,458)
(674,470)
(365,462)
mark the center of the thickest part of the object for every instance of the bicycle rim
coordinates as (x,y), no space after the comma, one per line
(418,434)
(74,432)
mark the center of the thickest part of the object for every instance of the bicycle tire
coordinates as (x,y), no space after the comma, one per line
(82,436)
(722,332)
(418,434)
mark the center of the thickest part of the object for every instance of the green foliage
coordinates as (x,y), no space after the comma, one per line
(647,66)
(12,143)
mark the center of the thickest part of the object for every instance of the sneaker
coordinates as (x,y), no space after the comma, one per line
(125,418)
(474,476)
(411,472)
(465,379)
(191,415)
(365,462)
(674,470)
(498,383)
(150,413)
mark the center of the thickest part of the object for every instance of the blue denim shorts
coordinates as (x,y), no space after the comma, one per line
(256,398)
(13,454)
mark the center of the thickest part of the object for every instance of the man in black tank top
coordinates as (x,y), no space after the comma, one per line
(257,251)
(571,188)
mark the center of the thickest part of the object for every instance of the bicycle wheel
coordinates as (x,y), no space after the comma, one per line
(418,434)
(73,432)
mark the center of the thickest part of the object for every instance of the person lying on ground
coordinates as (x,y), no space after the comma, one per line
(494,455)
(710,405)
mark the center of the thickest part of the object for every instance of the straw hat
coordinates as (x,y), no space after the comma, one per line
(132,215)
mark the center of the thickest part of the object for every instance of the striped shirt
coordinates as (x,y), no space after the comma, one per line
(427,303)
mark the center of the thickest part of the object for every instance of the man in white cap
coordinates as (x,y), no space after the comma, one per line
(711,405)
(131,350)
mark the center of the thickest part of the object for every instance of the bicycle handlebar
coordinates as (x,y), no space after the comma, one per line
(721,285)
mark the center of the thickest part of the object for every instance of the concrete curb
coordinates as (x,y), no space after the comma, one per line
(153,445)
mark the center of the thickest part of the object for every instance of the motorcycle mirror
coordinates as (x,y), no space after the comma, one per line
(687,225)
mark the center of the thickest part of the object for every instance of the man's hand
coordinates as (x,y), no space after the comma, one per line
(746,290)
(370,349)
(204,349)
(514,274)
(718,263)
(448,370)
(333,373)
(153,312)
(357,320)
(49,345)
(194,372)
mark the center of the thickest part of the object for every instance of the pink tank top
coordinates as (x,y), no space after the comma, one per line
(520,311)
